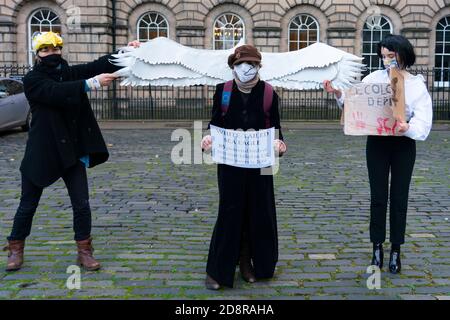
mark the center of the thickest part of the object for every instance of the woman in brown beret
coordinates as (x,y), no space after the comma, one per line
(246,229)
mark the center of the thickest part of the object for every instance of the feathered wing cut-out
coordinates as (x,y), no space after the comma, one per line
(164,62)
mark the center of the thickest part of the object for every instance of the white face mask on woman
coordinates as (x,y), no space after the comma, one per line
(246,72)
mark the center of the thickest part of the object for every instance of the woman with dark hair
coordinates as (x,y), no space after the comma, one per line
(246,229)
(63,141)
(394,154)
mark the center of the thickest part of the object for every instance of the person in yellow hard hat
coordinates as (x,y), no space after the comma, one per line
(46,40)
(64,140)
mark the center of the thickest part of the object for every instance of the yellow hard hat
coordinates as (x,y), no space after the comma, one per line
(42,39)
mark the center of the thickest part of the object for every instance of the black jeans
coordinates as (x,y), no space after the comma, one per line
(397,156)
(75,179)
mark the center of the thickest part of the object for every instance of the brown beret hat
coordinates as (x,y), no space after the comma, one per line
(244,53)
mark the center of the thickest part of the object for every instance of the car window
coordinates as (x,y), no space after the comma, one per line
(14,87)
(3,91)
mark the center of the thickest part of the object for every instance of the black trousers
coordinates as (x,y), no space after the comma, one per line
(397,156)
(76,182)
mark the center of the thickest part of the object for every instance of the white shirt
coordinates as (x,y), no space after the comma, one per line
(419,106)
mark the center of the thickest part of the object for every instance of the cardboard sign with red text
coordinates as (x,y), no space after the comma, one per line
(368,110)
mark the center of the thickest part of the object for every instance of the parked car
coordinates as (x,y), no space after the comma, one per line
(14,107)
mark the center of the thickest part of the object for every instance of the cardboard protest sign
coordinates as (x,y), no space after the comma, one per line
(398,92)
(369,110)
(244,149)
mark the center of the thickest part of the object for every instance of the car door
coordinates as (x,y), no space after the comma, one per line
(6,105)
(21,106)
(13,110)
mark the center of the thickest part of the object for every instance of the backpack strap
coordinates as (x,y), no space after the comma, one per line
(267,102)
(226,96)
(268,99)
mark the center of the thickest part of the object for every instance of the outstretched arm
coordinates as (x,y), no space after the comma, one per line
(96,67)
(338,94)
(52,93)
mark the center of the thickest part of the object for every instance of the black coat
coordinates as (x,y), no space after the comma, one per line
(63,125)
(246,198)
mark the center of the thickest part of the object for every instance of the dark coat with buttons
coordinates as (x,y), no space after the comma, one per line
(63,125)
(247,212)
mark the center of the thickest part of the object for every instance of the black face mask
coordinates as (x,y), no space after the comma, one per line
(52,60)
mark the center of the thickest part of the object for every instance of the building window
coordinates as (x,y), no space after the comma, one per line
(152,25)
(303,31)
(375,29)
(229,29)
(41,20)
(443,51)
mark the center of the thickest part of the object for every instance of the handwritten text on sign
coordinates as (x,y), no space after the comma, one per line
(368,110)
(245,149)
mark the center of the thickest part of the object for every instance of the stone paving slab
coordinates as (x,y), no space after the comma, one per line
(153,222)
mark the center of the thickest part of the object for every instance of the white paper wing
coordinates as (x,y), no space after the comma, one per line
(307,68)
(164,62)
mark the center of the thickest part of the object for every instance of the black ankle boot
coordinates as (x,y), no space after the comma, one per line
(211,284)
(245,262)
(395,265)
(378,255)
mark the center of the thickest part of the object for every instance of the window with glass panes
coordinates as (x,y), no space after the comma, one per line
(152,25)
(303,31)
(41,20)
(442,52)
(229,29)
(375,29)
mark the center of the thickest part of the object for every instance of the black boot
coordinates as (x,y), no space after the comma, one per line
(378,255)
(395,265)
(245,261)
(211,284)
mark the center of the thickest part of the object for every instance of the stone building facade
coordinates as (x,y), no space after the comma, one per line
(95,27)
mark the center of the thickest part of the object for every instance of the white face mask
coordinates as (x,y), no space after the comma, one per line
(246,72)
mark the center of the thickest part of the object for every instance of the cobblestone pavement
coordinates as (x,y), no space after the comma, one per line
(153,221)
